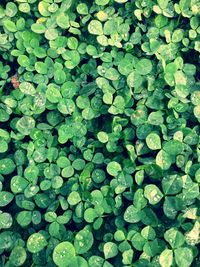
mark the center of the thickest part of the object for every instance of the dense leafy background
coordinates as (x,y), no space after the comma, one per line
(99,135)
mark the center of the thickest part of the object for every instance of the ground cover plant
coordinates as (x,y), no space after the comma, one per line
(99,133)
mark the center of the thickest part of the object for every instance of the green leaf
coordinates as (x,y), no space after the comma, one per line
(191,191)
(125,66)
(62,21)
(72,43)
(88,113)
(27,88)
(53,93)
(36,242)
(66,106)
(51,34)
(112,74)
(72,59)
(78,164)
(38,28)
(166,258)
(102,2)
(41,67)
(25,125)
(83,241)
(68,172)
(156,118)
(95,27)
(6,221)
(177,35)
(59,76)
(82,9)
(132,214)
(138,241)
(103,137)
(134,79)
(10,25)
(195,98)
(11,9)
(63,254)
(7,166)
(78,261)
(18,256)
(110,250)
(163,3)
(153,141)
(74,198)
(170,206)
(139,200)
(153,194)
(23,60)
(113,168)
(144,66)
(148,233)
(172,184)
(163,160)
(98,176)
(174,238)
(3,146)
(90,215)
(127,257)
(24,218)
(5,198)
(183,256)
(192,237)
(173,147)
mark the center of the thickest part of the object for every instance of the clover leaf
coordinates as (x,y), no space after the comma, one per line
(183,256)
(95,27)
(132,214)
(172,184)
(144,66)
(174,237)
(63,254)
(5,198)
(166,258)
(36,242)
(153,141)
(25,124)
(18,256)
(83,241)
(113,168)
(110,250)
(153,194)
(7,166)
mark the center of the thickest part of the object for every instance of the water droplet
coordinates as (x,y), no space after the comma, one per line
(81,244)
(79,237)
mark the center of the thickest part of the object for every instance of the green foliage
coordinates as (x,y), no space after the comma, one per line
(99,133)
